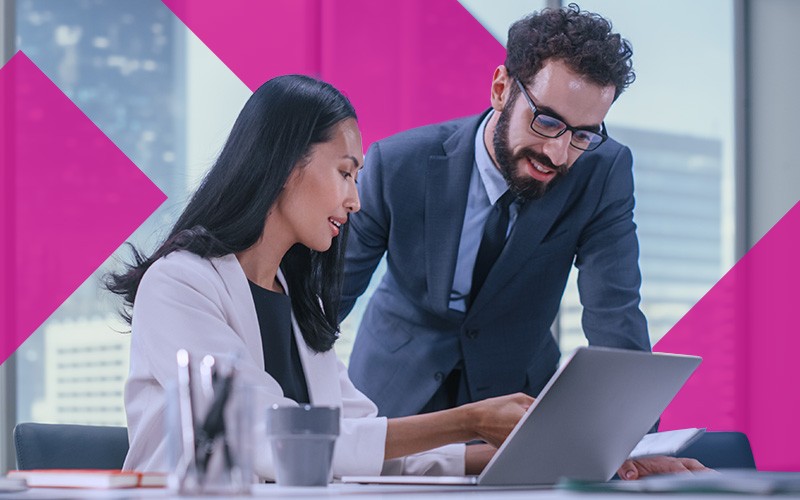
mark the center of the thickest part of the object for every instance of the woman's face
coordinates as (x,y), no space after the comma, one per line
(320,195)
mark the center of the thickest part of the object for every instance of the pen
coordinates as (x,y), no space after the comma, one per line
(213,425)
(186,415)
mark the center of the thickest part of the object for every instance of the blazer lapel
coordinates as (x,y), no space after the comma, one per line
(235,280)
(533,223)
(446,188)
(322,372)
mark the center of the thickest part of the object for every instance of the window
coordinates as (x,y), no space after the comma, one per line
(677,118)
(145,81)
(168,103)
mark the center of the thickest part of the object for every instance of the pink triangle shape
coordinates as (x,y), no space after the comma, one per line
(70,197)
(747,332)
(401,63)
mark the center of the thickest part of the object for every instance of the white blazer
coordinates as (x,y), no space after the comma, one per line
(206,307)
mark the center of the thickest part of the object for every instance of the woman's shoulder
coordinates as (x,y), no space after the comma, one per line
(187,267)
(183,279)
(180,260)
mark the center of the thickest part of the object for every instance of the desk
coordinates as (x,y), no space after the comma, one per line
(369,492)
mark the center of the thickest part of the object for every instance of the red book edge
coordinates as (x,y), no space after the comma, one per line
(157,479)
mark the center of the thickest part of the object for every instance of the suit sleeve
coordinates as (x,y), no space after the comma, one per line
(608,265)
(360,447)
(368,233)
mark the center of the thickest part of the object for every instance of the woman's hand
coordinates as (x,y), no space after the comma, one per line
(492,420)
(648,466)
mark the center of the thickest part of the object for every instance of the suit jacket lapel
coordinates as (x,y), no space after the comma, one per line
(446,188)
(533,223)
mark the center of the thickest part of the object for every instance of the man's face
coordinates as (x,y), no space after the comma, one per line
(529,162)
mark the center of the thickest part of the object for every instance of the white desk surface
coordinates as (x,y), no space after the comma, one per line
(368,492)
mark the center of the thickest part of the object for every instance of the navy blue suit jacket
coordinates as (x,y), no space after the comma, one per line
(413,193)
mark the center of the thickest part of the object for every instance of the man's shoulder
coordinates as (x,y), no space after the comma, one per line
(610,153)
(427,139)
(611,148)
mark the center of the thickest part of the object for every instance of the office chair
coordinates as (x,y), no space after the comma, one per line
(722,450)
(58,446)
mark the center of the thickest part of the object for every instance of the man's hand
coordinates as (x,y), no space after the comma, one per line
(476,457)
(647,466)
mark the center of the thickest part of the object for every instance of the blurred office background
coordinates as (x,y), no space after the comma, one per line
(709,121)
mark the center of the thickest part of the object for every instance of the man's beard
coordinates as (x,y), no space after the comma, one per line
(522,185)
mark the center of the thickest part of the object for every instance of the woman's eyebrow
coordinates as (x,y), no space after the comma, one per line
(353,159)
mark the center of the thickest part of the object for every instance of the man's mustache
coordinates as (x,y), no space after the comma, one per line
(540,158)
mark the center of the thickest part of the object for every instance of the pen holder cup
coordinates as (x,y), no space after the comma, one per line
(214,456)
(302,440)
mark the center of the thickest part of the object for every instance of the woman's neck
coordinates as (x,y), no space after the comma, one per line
(260,264)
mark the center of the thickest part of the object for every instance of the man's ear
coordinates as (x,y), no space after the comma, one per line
(501,87)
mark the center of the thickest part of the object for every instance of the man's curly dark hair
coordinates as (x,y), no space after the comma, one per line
(581,39)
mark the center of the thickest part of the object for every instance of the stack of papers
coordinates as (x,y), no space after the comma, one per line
(748,481)
(668,443)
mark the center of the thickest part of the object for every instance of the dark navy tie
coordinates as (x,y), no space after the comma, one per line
(492,242)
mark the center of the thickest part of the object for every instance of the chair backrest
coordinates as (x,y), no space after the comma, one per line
(722,450)
(59,446)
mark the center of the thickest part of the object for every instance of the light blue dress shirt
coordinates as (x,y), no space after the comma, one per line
(486,186)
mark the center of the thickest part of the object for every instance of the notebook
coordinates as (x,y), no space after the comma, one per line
(585,422)
(88,478)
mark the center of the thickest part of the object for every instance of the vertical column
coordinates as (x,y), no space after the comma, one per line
(773,188)
(772,114)
(7,254)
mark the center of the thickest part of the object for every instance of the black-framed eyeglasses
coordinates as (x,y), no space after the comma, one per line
(551,127)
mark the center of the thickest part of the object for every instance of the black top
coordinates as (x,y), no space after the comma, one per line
(281,357)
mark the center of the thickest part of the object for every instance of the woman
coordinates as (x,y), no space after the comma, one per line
(254,265)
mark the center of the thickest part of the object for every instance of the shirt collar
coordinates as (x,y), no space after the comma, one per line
(492,179)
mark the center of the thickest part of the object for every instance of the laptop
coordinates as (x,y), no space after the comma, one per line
(583,425)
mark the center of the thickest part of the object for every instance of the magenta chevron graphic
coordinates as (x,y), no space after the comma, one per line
(745,328)
(391,76)
(70,198)
(396,60)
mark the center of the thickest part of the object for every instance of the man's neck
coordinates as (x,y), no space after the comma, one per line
(488,136)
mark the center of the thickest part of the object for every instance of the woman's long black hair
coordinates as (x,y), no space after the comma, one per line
(273,134)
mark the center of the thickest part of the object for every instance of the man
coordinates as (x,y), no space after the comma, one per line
(453,322)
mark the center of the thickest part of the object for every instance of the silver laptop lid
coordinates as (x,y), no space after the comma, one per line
(589,416)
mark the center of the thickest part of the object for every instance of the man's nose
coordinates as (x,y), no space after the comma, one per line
(557,149)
